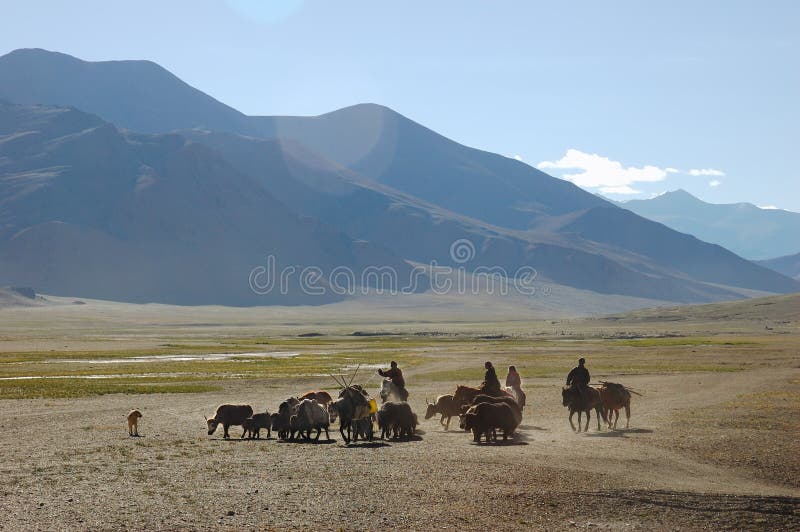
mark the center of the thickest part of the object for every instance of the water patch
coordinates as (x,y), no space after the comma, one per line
(176,358)
(117,376)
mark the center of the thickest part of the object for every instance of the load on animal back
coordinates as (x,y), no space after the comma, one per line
(353,404)
(615,396)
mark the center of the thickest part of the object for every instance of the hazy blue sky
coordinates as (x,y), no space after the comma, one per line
(619,95)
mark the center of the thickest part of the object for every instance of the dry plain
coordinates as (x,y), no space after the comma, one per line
(712,443)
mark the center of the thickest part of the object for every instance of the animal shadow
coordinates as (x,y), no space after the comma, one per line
(635,431)
(499,443)
(533,427)
(309,442)
(367,445)
(604,434)
(406,439)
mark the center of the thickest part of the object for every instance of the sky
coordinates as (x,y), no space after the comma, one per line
(625,98)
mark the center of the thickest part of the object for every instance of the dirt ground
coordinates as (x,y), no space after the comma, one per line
(69,464)
(712,444)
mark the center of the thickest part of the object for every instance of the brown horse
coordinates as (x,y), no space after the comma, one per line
(572,398)
(615,396)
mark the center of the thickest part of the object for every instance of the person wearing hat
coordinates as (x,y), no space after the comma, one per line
(579,377)
(396,375)
(491,384)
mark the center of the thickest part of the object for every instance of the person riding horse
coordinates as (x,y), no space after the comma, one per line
(395,374)
(491,384)
(513,380)
(579,378)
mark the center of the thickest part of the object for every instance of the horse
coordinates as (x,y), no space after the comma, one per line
(518,394)
(572,398)
(352,405)
(390,389)
(615,396)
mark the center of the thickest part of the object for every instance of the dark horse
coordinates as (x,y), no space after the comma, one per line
(352,405)
(572,399)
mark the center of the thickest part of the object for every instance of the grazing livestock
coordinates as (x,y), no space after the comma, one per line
(483,398)
(615,396)
(252,426)
(396,420)
(320,396)
(282,422)
(352,405)
(323,398)
(363,428)
(446,406)
(228,415)
(486,418)
(133,422)
(576,402)
(465,394)
(310,416)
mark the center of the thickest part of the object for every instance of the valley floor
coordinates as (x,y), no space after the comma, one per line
(712,442)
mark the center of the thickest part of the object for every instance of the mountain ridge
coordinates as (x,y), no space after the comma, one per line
(744,228)
(410,191)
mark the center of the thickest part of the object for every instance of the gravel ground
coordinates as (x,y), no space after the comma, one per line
(69,464)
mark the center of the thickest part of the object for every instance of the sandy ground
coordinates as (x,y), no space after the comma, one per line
(69,464)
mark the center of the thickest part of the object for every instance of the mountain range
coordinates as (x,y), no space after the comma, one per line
(120,181)
(788,265)
(747,230)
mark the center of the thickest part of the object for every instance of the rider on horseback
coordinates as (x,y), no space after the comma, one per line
(395,374)
(514,381)
(579,378)
(491,384)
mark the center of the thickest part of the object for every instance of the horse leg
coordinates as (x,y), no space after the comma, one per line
(627,416)
(341,431)
(571,424)
(580,422)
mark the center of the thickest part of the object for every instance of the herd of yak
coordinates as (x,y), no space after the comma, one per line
(484,414)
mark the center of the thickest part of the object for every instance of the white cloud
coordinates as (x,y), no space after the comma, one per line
(598,171)
(518,157)
(768,207)
(671,170)
(624,189)
(706,172)
(714,183)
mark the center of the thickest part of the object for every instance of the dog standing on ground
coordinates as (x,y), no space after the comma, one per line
(133,422)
